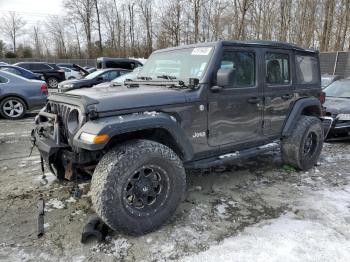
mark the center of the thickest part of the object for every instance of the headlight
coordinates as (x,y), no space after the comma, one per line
(93,139)
(343,117)
(73,121)
(68,86)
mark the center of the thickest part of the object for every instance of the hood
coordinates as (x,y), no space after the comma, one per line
(76,83)
(337,105)
(124,98)
(105,84)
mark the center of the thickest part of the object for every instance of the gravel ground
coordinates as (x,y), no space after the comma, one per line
(255,210)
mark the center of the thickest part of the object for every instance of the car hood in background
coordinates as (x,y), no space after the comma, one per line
(76,83)
(336,105)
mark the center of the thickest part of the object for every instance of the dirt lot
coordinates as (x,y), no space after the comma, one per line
(258,210)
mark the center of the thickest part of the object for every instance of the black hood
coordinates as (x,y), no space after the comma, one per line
(124,98)
(337,105)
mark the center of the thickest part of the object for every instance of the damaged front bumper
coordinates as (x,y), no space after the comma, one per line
(47,138)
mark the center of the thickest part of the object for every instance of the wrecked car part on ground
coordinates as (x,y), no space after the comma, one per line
(213,106)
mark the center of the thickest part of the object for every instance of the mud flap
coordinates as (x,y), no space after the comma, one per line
(94,228)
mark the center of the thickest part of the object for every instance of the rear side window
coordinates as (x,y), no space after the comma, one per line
(277,69)
(307,69)
(243,63)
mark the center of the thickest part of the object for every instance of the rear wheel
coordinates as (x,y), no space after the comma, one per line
(137,186)
(52,82)
(12,108)
(303,148)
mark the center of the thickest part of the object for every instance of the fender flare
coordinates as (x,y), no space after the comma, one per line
(117,125)
(296,111)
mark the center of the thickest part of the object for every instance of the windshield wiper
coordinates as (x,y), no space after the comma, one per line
(144,77)
(168,77)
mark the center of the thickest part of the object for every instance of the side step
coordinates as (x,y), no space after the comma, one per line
(230,157)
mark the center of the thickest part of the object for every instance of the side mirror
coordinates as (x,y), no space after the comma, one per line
(225,77)
(99,79)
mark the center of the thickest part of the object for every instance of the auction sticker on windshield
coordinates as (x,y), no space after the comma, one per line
(201,51)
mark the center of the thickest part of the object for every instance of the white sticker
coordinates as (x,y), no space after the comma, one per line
(201,51)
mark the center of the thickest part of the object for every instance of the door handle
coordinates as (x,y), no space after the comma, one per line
(254,100)
(287,96)
(216,89)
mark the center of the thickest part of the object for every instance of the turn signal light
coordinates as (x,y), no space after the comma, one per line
(93,139)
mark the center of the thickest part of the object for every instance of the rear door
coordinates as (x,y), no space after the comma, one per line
(235,112)
(278,89)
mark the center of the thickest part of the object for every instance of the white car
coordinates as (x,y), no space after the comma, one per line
(71,74)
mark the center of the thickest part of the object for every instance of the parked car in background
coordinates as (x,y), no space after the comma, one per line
(52,73)
(326,80)
(71,74)
(3,63)
(67,65)
(338,107)
(126,63)
(21,72)
(19,94)
(100,76)
(121,79)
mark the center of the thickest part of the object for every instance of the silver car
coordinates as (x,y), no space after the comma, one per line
(18,95)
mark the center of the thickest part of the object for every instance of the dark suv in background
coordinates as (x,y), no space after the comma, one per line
(52,73)
(124,63)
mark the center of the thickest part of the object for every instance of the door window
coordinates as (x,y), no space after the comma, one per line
(243,64)
(113,74)
(40,67)
(277,69)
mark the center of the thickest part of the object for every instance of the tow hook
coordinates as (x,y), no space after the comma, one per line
(95,228)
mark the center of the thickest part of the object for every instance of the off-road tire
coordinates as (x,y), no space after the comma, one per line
(16,101)
(115,170)
(293,147)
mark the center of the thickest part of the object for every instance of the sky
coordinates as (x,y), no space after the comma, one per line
(32,10)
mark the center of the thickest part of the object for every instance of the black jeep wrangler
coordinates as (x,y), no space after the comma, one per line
(191,107)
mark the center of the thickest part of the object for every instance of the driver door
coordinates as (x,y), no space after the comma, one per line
(235,112)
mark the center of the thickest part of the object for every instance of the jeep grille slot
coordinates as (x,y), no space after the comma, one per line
(62,110)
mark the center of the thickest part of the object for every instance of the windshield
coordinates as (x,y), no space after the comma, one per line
(93,75)
(179,64)
(325,81)
(338,89)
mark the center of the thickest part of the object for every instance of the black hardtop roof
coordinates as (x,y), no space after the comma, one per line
(252,43)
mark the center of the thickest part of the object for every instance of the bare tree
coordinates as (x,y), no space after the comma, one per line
(98,27)
(12,27)
(83,11)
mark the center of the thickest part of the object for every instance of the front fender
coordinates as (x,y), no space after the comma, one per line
(117,125)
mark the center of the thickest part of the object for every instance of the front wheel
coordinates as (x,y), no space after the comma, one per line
(303,148)
(137,186)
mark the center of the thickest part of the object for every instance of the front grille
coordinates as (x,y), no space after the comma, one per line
(62,110)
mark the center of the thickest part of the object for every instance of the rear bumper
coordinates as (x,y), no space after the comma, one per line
(339,130)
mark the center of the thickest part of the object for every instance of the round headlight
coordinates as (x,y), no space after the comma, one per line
(73,121)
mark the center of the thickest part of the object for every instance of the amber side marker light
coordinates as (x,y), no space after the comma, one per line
(93,139)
